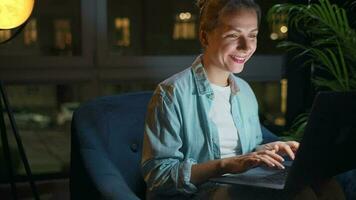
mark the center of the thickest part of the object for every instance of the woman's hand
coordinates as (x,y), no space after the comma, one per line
(266,154)
(238,164)
(282,148)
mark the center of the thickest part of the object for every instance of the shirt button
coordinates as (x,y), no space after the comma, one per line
(134,147)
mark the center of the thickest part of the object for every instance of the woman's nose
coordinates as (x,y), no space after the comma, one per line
(243,44)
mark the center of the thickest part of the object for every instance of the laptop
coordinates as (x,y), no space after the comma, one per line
(330,136)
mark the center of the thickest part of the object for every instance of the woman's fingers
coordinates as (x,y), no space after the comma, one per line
(293,145)
(244,162)
(270,162)
(289,147)
(271,159)
(288,150)
(274,155)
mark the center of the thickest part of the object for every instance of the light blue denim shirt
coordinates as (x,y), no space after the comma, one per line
(179,133)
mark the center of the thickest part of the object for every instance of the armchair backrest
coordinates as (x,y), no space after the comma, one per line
(107,136)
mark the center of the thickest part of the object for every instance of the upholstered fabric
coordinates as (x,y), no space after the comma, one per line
(348,182)
(107,135)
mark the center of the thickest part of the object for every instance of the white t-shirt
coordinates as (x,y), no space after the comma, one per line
(220,114)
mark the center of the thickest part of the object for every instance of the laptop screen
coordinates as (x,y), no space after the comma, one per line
(329,139)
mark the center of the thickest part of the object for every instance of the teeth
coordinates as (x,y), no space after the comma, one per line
(238,58)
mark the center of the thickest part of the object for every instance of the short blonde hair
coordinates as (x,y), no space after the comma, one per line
(211,11)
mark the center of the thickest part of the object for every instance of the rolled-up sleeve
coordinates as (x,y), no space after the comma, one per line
(165,168)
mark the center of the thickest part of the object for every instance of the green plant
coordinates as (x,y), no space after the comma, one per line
(330,47)
(297,129)
(332,42)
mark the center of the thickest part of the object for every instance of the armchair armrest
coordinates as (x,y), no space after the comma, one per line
(268,136)
(106,177)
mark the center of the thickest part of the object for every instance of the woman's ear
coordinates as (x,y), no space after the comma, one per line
(203,38)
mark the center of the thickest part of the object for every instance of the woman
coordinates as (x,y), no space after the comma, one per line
(203,122)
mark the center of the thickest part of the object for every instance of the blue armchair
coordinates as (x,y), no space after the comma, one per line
(107,135)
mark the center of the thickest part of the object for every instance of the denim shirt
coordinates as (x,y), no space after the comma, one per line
(179,133)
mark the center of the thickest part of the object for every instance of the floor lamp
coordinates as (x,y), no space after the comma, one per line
(14,15)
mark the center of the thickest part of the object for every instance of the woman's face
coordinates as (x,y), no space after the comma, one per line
(233,41)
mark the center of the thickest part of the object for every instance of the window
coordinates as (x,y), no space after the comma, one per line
(43,114)
(157,28)
(122,31)
(62,36)
(4,35)
(184,26)
(54,29)
(30,33)
(272,99)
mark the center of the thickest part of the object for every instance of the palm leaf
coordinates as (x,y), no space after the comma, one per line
(334,43)
(343,67)
(333,85)
(297,129)
(353,84)
(332,46)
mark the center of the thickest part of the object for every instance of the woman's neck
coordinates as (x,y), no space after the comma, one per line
(216,75)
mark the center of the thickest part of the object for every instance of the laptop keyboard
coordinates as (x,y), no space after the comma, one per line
(260,177)
(277,178)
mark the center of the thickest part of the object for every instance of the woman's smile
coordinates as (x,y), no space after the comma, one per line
(238,59)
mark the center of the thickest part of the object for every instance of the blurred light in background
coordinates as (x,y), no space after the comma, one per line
(185,16)
(62,35)
(30,32)
(284,29)
(281,120)
(184,26)
(122,31)
(278,27)
(284,86)
(5,35)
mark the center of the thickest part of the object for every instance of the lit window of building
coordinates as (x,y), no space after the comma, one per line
(122,31)
(281,120)
(184,26)
(62,34)
(30,32)
(4,35)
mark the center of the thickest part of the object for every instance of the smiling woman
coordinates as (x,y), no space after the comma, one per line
(203,122)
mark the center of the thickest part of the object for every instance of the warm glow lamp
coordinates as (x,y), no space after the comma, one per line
(13,13)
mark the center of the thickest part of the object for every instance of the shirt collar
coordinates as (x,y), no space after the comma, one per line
(202,81)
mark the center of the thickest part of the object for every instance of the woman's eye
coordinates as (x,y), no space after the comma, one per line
(253,36)
(233,35)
